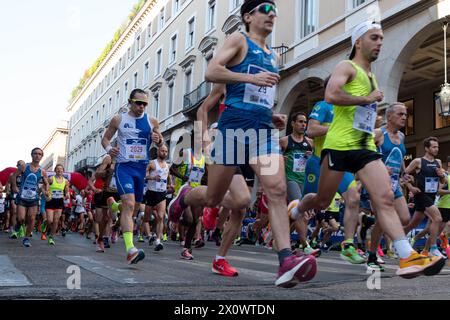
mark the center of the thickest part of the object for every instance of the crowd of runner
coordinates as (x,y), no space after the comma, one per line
(338,181)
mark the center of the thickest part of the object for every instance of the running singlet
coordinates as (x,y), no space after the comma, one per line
(2,205)
(163,173)
(296,159)
(133,139)
(196,170)
(427,178)
(335,203)
(322,112)
(353,126)
(29,189)
(57,189)
(444,201)
(246,95)
(393,155)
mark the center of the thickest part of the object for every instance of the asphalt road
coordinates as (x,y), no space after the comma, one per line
(44,272)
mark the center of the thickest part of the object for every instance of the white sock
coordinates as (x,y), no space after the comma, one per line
(219,257)
(294,213)
(158,241)
(403,248)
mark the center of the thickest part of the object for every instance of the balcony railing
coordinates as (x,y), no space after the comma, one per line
(282,52)
(194,98)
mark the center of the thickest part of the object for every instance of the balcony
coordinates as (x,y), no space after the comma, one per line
(282,52)
(83,165)
(194,99)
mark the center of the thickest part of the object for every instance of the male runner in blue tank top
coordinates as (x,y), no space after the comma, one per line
(135,133)
(249,68)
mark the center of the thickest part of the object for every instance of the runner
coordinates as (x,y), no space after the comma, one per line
(444,208)
(249,68)
(28,197)
(155,197)
(427,173)
(58,191)
(13,195)
(136,130)
(349,146)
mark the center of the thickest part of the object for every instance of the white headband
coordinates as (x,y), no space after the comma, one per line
(362,28)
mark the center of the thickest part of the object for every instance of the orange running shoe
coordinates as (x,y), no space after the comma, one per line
(43,237)
(444,241)
(417,264)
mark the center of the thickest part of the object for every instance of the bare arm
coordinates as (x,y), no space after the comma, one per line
(157,137)
(150,167)
(284,143)
(233,47)
(211,100)
(101,170)
(315,129)
(441,173)
(442,191)
(109,134)
(45,181)
(413,166)
(342,74)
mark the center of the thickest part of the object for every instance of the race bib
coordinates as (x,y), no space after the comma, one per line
(365,117)
(337,203)
(196,175)
(394,182)
(57,194)
(112,183)
(136,149)
(261,96)
(2,207)
(431,185)
(299,162)
(66,202)
(28,194)
(161,185)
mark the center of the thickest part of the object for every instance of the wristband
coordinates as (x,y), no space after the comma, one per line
(108,148)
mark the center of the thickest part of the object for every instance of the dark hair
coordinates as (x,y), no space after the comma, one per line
(448,159)
(59,165)
(247,6)
(325,82)
(427,141)
(135,91)
(298,113)
(37,148)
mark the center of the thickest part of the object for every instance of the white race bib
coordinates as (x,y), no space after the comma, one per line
(262,96)
(196,174)
(2,206)
(394,182)
(365,117)
(299,162)
(431,185)
(28,194)
(112,183)
(57,194)
(337,203)
(136,149)
(161,185)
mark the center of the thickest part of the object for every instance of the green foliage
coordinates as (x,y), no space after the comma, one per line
(88,73)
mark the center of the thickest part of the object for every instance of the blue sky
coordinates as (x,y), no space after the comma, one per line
(45,48)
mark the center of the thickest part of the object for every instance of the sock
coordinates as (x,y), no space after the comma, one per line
(219,257)
(115,207)
(283,254)
(403,248)
(158,241)
(347,243)
(128,238)
(433,247)
(294,213)
(49,230)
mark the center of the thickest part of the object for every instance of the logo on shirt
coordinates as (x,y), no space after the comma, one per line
(257,51)
(128,126)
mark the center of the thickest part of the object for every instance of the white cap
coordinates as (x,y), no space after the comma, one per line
(360,30)
(214,125)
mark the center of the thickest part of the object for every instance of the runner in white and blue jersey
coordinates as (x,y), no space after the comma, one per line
(249,68)
(135,133)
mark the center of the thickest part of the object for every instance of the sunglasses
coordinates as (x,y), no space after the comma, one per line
(265,9)
(139,102)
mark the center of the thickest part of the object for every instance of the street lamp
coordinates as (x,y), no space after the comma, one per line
(444,96)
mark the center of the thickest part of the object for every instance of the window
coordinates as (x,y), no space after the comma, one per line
(97,117)
(173,48)
(124,61)
(234,4)
(161,20)
(156,105)
(190,33)
(439,121)
(356,3)
(138,44)
(176,6)
(135,81)
(125,92)
(211,15)
(109,106)
(158,62)
(103,112)
(117,99)
(170,91)
(188,82)
(146,73)
(308,17)
(129,53)
(149,32)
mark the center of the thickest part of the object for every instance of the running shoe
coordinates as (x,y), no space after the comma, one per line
(375,266)
(114,237)
(380,261)
(14,235)
(43,237)
(349,254)
(141,238)
(100,246)
(295,269)
(164,237)
(391,254)
(199,243)
(151,240)
(360,252)
(159,247)
(380,252)
(425,253)
(175,210)
(315,252)
(26,242)
(63,232)
(418,264)
(436,253)
(22,231)
(412,241)
(113,205)
(43,226)
(185,254)
(51,242)
(223,268)
(134,255)
(106,242)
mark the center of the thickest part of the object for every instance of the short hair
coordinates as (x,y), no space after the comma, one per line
(59,165)
(448,159)
(296,114)
(37,148)
(390,108)
(325,82)
(135,91)
(427,141)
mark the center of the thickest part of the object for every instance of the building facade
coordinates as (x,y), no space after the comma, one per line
(55,148)
(166,49)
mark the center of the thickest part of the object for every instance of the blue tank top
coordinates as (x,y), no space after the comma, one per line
(29,189)
(134,139)
(392,155)
(248,96)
